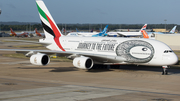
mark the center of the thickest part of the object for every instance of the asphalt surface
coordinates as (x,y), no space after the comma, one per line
(60,81)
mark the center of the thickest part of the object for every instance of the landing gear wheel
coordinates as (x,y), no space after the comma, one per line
(165,71)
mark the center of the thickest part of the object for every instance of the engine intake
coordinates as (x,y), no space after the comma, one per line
(40,59)
(83,62)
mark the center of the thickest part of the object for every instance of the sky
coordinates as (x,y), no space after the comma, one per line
(95,11)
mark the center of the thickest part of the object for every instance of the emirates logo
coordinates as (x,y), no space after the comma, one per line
(35,60)
(79,63)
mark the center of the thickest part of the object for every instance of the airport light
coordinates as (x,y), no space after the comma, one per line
(0,24)
(165,25)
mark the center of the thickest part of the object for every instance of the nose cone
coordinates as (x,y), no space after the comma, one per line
(173,59)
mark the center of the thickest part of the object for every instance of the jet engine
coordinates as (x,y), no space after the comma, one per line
(40,59)
(83,62)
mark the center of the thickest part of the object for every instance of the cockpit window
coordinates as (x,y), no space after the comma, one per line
(168,51)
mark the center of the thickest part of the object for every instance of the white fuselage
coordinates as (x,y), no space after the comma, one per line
(89,34)
(119,50)
(126,34)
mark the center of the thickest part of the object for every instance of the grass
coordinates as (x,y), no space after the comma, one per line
(16,55)
(30,46)
(22,56)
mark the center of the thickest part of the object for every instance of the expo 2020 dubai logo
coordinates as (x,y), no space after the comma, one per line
(135,51)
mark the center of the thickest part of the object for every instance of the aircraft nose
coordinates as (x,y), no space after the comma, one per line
(173,59)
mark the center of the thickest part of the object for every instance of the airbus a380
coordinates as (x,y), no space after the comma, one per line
(87,51)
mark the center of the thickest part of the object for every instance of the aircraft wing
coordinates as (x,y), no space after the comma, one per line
(98,58)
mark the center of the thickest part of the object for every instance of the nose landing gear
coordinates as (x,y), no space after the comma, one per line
(165,71)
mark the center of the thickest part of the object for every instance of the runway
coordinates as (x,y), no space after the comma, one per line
(60,81)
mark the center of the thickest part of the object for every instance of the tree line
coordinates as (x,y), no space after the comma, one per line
(73,27)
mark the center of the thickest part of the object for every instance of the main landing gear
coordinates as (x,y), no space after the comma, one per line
(165,72)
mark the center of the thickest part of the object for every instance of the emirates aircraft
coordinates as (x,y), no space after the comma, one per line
(87,51)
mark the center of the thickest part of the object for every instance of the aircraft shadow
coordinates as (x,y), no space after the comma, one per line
(35,67)
(172,70)
(64,69)
(68,69)
(101,68)
(53,69)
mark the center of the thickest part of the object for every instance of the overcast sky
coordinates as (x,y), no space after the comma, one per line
(95,11)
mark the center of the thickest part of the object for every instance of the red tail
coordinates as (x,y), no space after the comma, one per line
(12,32)
(38,34)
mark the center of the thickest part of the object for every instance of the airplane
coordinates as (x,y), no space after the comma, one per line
(23,34)
(88,51)
(39,34)
(152,34)
(90,34)
(101,34)
(127,34)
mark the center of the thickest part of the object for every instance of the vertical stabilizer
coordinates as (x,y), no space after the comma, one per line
(103,33)
(143,28)
(145,35)
(13,33)
(173,30)
(37,33)
(49,26)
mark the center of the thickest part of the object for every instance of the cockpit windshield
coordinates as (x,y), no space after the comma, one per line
(168,51)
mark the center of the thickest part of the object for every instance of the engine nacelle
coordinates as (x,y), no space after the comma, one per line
(83,62)
(40,59)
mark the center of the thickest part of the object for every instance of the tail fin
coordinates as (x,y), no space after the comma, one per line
(37,33)
(99,29)
(145,35)
(77,30)
(173,30)
(105,29)
(12,32)
(49,26)
(92,30)
(103,33)
(143,28)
